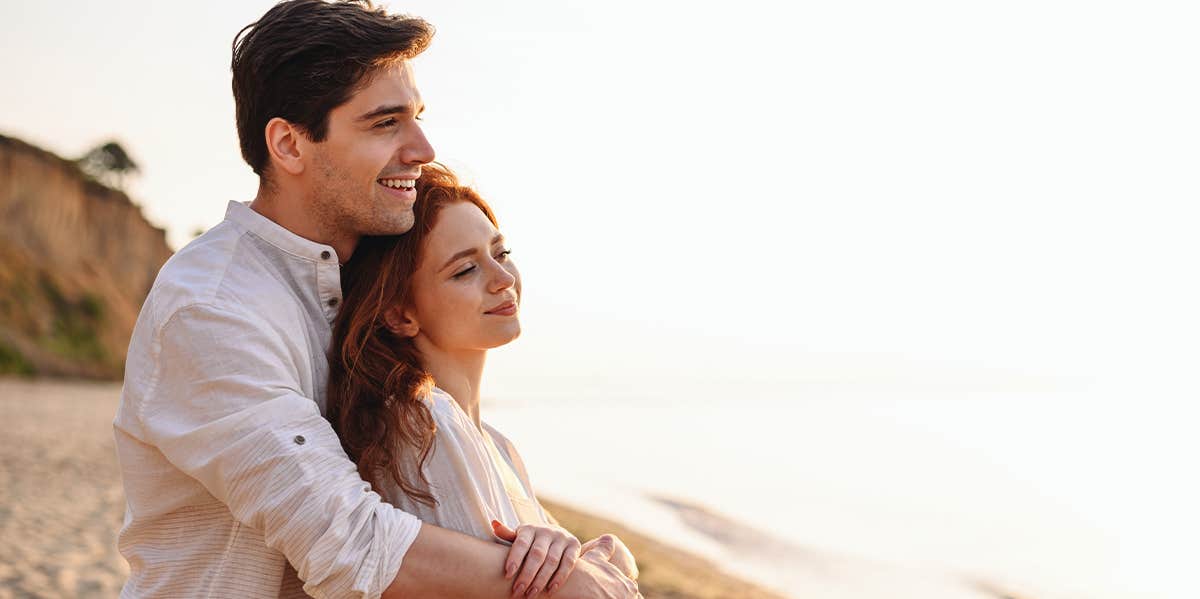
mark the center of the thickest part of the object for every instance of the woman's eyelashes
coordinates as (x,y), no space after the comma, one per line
(501,256)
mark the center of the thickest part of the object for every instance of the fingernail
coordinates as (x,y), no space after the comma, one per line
(520,588)
(508,570)
(554,588)
(533,592)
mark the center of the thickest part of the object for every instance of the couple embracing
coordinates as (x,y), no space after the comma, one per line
(301,409)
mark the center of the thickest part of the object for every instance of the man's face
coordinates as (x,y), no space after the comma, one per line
(362,174)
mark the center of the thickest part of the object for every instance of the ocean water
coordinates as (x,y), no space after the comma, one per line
(856,492)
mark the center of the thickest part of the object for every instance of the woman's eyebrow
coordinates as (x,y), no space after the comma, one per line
(462,254)
(469,252)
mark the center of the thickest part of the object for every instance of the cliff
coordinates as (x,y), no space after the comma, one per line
(77,259)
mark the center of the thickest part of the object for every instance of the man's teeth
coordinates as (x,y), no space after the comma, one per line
(399,183)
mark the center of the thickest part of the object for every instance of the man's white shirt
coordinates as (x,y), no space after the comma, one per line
(235,484)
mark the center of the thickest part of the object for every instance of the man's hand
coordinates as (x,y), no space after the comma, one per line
(610,548)
(595,578)
(447,563)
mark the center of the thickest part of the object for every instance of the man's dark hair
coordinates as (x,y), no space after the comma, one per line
(304,58)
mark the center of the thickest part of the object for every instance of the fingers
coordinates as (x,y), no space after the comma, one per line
(504,532)
(631,586)
(601,546)
(553,559)
(516,553)
(538,554)
(551,579)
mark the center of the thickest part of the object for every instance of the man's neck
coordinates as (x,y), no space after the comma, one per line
(291,211)
(457,374)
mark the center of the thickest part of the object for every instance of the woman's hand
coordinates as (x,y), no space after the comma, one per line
(614,551)
(549,554)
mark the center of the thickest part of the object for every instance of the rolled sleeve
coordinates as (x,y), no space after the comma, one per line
(226,410)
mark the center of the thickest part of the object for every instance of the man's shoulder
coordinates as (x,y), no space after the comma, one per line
(213,271)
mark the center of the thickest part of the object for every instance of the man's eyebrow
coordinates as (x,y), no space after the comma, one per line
(463,254)
(390,109)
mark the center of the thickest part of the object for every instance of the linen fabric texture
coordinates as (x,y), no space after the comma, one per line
(235,484)
(474,473)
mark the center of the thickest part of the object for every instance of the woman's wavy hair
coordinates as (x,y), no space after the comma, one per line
(377,385)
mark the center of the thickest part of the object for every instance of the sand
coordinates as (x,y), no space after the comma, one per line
(62,498)
(62,504)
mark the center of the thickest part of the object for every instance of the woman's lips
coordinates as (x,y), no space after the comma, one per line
(505,309)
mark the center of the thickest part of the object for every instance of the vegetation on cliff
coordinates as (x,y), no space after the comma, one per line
(76,261)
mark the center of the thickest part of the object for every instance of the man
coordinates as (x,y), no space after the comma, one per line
(235,484)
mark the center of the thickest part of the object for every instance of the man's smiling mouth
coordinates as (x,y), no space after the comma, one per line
(402,184)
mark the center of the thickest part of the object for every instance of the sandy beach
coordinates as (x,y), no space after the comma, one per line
(62,504)
(62,498)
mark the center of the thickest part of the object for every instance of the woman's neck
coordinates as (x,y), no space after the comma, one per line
(458,374)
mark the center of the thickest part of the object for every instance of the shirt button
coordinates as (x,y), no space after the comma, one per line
(325,255)
(299,439)
(333,302)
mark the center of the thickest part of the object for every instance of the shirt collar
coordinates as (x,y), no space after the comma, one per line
(271,232)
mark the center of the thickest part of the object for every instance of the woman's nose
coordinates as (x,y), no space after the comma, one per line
(502,279)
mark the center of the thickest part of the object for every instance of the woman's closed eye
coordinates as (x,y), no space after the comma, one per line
(502,256)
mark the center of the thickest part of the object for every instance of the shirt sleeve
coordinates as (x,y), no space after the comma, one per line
(226,409)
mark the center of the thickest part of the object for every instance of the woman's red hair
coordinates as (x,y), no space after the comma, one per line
(377,386)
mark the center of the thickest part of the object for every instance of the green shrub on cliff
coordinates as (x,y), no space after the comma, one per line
(12,362)
(73,334)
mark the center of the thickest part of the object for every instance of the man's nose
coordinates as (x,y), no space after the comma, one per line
(417,150)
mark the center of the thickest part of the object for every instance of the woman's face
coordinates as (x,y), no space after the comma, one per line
(466,290)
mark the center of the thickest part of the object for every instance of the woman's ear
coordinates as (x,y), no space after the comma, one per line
(401,322)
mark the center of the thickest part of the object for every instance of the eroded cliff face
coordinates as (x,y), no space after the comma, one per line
(76,261)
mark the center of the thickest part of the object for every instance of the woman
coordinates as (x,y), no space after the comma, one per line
(420,311)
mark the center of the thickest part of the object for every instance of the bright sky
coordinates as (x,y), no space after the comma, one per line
(985,194)
(900,195)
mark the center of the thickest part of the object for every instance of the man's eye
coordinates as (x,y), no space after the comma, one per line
(460,274)
(503,255)
(385,124)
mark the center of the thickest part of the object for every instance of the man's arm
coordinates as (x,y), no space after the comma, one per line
(225,407)
(223,403)
(445,563)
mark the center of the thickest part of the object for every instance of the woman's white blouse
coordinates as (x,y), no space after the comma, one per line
(476,476)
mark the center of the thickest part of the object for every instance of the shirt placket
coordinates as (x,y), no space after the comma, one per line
(329,284)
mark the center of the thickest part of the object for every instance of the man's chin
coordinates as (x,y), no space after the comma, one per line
(391,224)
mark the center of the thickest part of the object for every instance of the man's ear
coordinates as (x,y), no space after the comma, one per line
(401,322)
(283,144)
